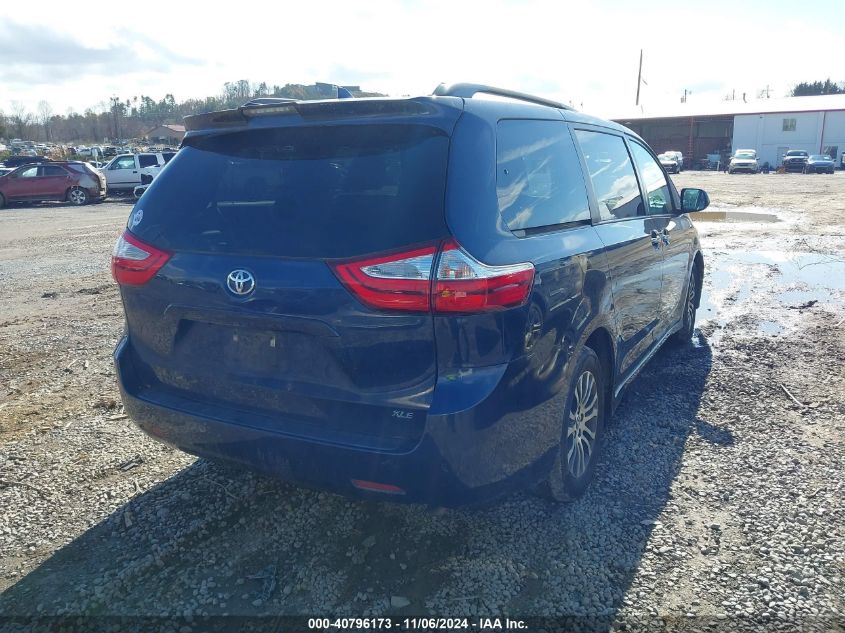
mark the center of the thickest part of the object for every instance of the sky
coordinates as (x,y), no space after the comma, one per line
(77,56)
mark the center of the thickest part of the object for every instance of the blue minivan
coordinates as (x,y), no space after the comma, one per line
(435,299)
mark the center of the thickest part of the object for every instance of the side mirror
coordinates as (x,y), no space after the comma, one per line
(694,200)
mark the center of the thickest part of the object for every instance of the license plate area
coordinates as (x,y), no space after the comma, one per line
(231,349)
(252,351)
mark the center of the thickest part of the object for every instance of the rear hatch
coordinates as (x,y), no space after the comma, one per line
(250,313)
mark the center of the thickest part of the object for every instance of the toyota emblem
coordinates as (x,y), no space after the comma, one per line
(240,282)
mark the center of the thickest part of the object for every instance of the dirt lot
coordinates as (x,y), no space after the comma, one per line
(719,498)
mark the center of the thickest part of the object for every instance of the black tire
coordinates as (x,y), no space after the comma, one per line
(77,196)
(575,463)
(2,201)
(685,334)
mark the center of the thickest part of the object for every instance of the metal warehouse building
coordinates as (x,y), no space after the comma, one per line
(771,126)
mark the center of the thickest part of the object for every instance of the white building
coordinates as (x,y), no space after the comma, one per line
(771,126)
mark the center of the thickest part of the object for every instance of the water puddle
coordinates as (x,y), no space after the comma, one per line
(768,290)
(733,216)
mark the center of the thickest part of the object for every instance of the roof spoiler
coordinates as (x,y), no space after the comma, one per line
(468,91)
(259,105)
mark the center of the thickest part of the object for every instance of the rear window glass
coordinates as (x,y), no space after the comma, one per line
(82,168)
(325,192)
(538,175)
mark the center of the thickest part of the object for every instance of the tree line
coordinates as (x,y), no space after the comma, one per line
(132,117)
(826,87)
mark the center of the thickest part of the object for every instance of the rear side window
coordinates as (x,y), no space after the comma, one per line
(147,160)
(167,156)
(538,175)
(310,192)
(612,174)
(52,170)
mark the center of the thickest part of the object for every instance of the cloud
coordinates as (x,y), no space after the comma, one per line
(45,56)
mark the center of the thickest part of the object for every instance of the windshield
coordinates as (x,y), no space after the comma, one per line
(819,157)
(745,155)
(796,152)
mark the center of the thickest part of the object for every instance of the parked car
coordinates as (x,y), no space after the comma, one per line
(123,172)
(819,164)
(678,156)
(73,181)
(744,160)
(18,160)
(670,163)
(344,297)
(795,160)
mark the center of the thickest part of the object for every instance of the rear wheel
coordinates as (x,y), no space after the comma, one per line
(77,196)
(583,430)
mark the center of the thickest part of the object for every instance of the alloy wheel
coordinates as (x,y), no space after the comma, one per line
(691,301)
(582,425)
(77,196)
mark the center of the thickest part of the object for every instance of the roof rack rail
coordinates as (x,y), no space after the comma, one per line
(467,91)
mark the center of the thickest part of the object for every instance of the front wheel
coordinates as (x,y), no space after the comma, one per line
(77,196)
(583,430)
(684,335)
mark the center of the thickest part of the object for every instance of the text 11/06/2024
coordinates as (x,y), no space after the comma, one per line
(416,624)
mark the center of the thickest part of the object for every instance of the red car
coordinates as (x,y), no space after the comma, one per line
(74,181)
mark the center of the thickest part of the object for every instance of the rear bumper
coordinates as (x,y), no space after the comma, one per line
(472,456)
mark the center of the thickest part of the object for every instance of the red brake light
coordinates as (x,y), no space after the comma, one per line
(374,486)
(401,281)
(133,262)
(463,284)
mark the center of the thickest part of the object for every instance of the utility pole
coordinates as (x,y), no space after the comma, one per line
(114,102)
(639,77)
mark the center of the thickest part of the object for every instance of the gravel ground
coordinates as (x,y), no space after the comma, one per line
(718,503)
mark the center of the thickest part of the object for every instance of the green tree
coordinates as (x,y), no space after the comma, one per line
(826,87)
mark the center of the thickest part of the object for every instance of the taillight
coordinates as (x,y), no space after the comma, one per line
(403,281)
(463,284)
(133,262)
(392,282)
